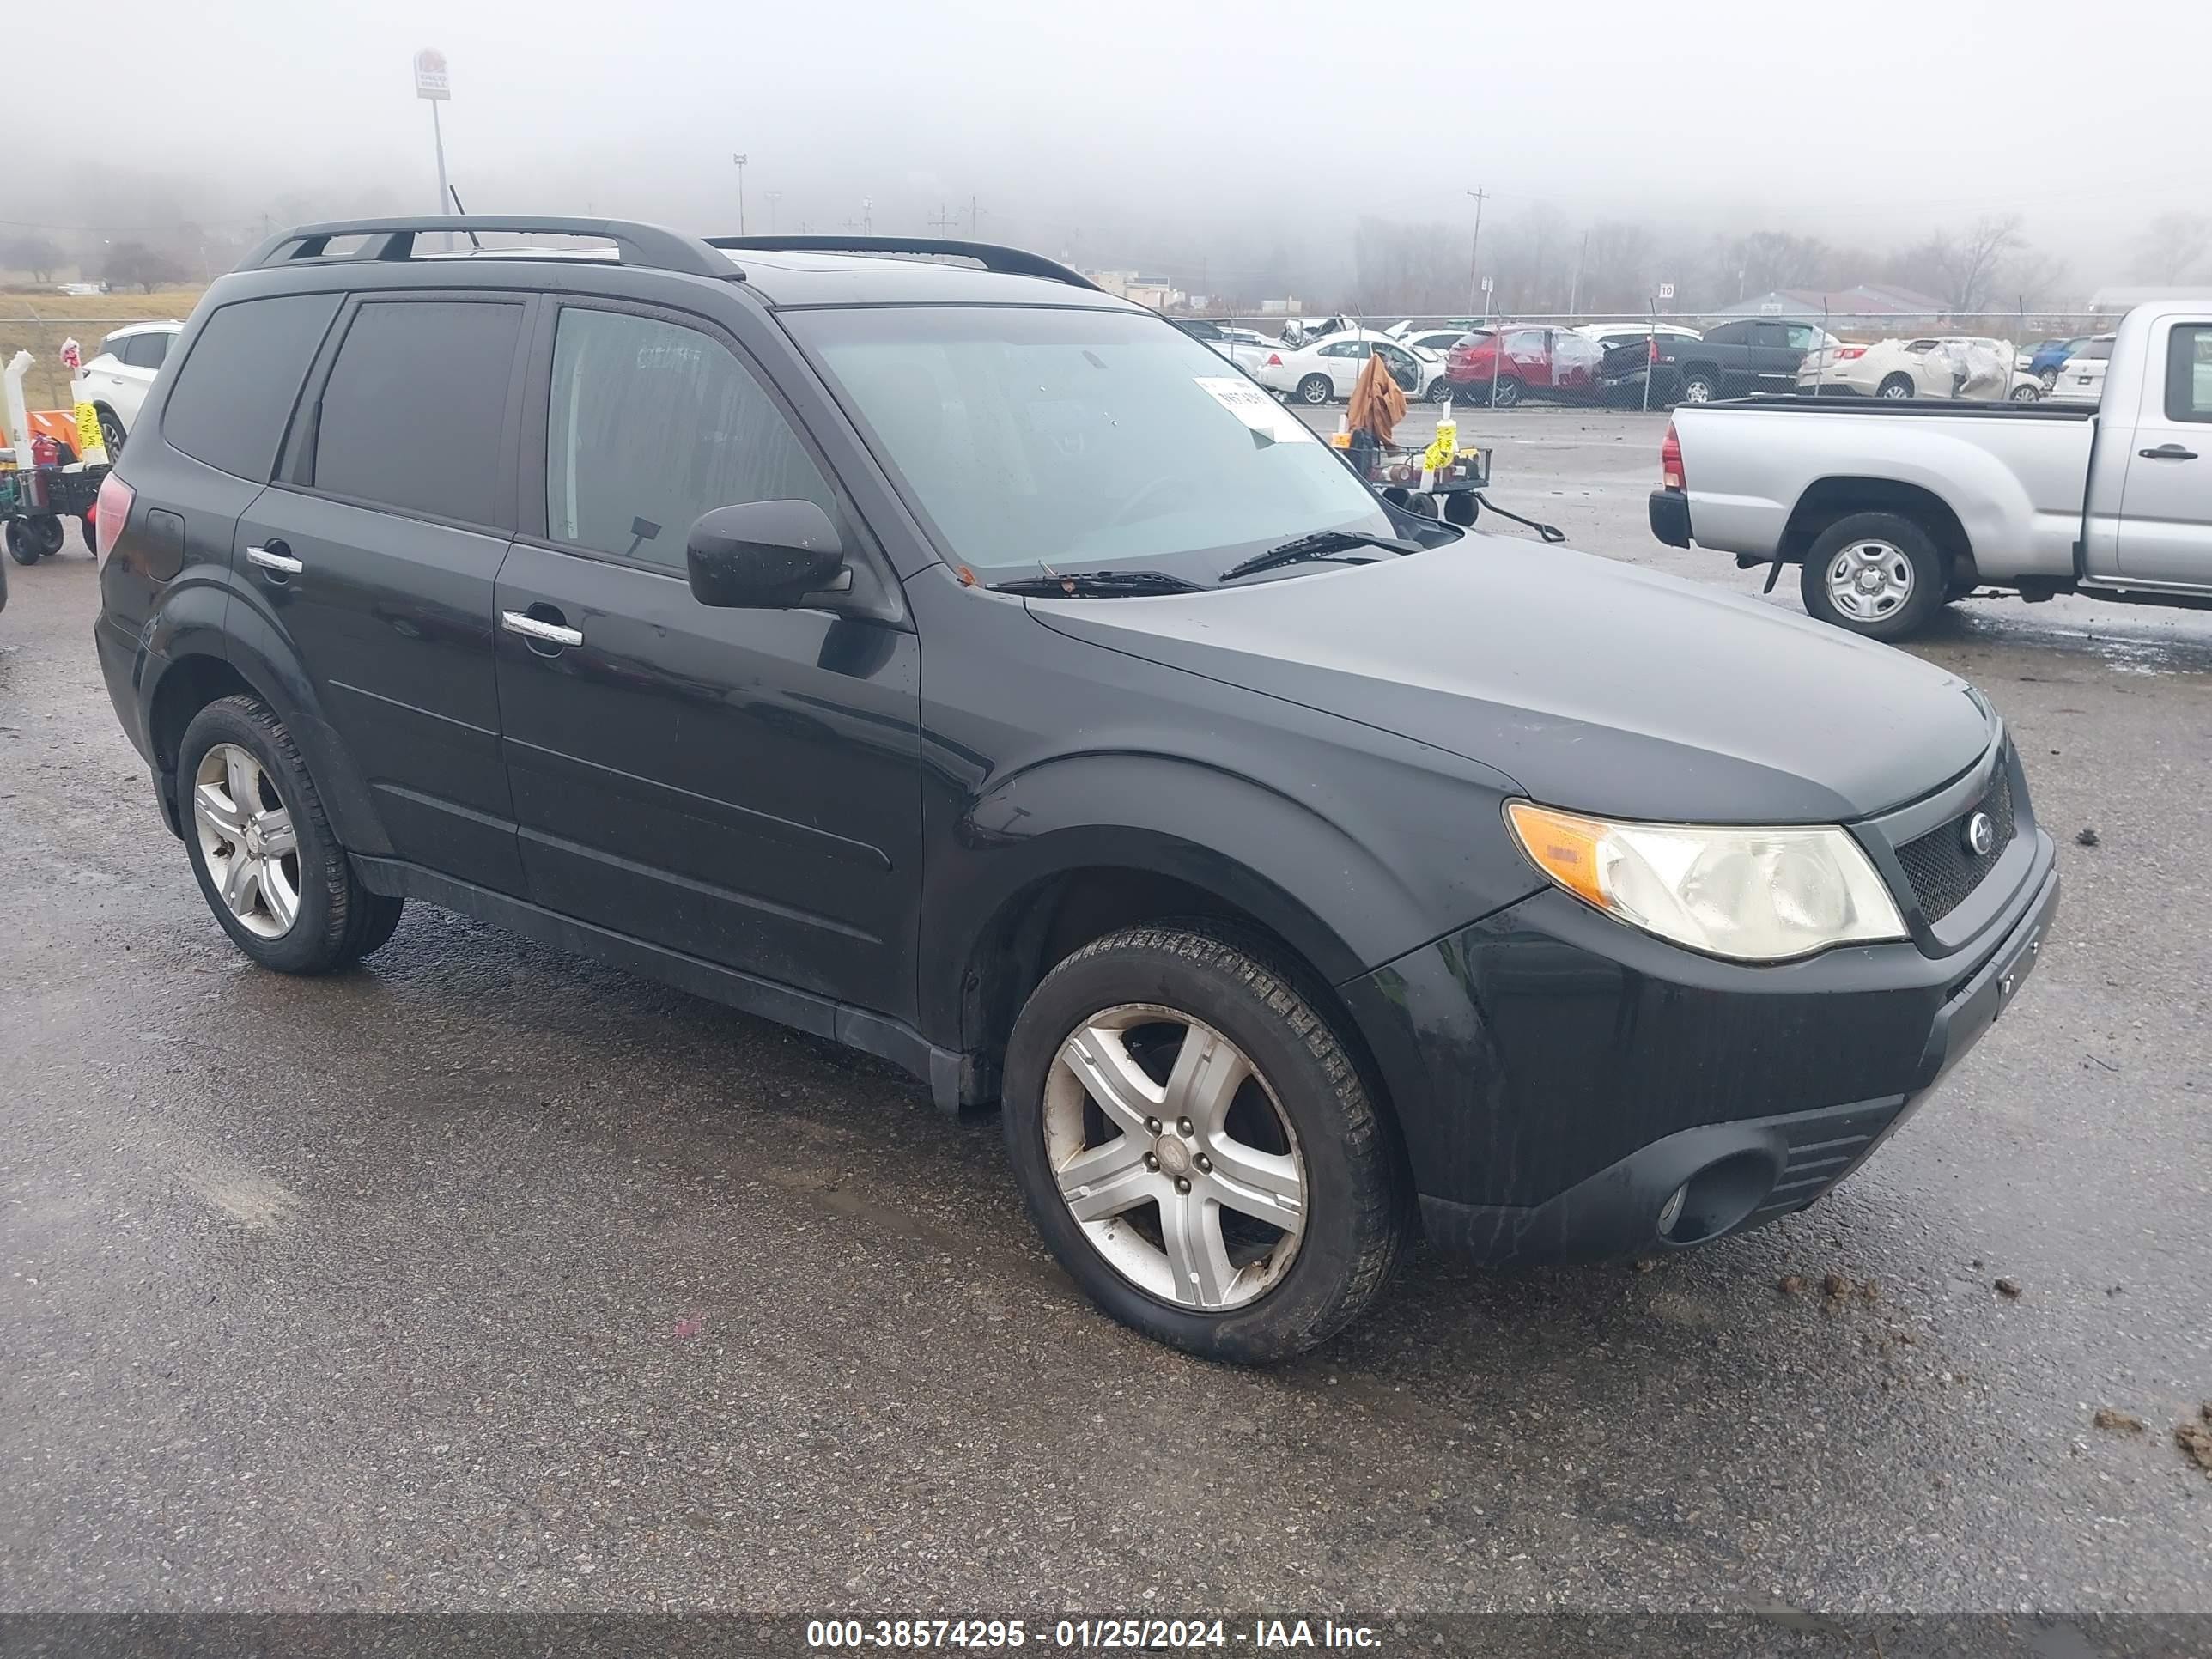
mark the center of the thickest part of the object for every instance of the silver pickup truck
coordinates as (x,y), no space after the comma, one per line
(1894,508)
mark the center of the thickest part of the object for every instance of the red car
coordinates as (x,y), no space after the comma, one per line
(1524,362)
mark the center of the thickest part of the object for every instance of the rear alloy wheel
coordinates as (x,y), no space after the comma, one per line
(1316,389)
(1875,573)
(1897,388)
(1505,393)
(2029,393)
(1198,1149)
(268,864)
(111,435)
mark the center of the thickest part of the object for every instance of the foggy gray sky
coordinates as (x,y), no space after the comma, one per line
(1115,134)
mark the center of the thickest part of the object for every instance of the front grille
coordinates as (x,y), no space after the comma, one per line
(1939,864)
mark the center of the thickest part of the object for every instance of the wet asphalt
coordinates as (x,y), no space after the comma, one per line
(483,1277)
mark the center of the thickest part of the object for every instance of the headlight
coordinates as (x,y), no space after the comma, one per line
(1754,895)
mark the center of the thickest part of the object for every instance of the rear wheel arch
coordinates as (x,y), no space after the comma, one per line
(194,679)
(1832,499)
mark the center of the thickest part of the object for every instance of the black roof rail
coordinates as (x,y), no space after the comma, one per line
(653,246)
(1009,261)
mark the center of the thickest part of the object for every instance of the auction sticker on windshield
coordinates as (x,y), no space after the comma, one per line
(1253,406)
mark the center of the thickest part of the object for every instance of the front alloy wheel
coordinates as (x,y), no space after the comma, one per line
(1198,1147)
(246,836)
(1173,1156)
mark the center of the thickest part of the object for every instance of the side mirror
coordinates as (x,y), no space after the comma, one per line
(762,555)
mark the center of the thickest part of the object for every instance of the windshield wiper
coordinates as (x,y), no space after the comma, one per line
(1095,584)
(1323,544)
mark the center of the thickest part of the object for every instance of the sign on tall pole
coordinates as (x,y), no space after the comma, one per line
(432,83)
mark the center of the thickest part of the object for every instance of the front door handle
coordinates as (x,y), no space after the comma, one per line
(274,558)
(2167,453)
(546,633)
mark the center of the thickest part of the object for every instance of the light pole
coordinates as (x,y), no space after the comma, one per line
(1474,251)
(740,160)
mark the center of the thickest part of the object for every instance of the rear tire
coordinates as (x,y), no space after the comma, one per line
(2029,393)
(245,797)
(1897,388)
(1179,1239)
(51,537)
(1701,386)
(23,543)
(1879,575)
(111,435)
(1506,392)
(1316,389)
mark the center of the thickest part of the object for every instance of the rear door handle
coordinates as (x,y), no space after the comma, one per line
(546,633)
(2167,453)
(274,558)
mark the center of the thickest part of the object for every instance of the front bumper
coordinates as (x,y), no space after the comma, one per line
(1670,517)
(1558,1076)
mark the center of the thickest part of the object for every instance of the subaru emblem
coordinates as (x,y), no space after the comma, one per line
(1981,835)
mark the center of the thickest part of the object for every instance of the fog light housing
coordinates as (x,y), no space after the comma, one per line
(1671,1211)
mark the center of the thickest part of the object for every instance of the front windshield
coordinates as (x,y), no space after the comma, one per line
(1080,440)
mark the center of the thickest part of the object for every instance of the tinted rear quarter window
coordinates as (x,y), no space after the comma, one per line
(234,392)
(415,408)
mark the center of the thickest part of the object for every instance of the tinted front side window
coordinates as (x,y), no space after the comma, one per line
(414,407)
(653,425)
(235,392)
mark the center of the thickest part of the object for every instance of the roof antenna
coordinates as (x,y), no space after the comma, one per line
(464,212)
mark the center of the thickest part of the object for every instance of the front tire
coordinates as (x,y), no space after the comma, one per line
(24,545)
(261,846)
(1198,1148)
(1877,575)
(1316,389)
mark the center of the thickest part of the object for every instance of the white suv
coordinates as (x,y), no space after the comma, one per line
(115,381)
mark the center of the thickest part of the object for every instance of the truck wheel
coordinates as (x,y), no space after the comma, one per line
(1875,573)
(1198,1149)
(1897,388)
(1316,389)
(1701,386)
(268,862)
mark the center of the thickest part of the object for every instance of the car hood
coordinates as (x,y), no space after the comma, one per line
(1596,686)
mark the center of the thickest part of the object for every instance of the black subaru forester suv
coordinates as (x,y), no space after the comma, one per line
(912,643)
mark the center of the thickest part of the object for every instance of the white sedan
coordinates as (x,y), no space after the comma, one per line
(1326,370)
(1955,366)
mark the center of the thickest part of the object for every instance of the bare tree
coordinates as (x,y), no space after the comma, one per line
(2172,247)
(141,266)
(36,254)
(1411,267)
(1971,265)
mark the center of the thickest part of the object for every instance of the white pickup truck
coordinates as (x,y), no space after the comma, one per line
(1894,508)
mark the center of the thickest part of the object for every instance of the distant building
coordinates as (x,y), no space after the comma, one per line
(1868,302)
(1287,307)
(1138,289)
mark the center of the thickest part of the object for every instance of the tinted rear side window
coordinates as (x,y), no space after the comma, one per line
(143,351)
(234,394)
(416,405)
